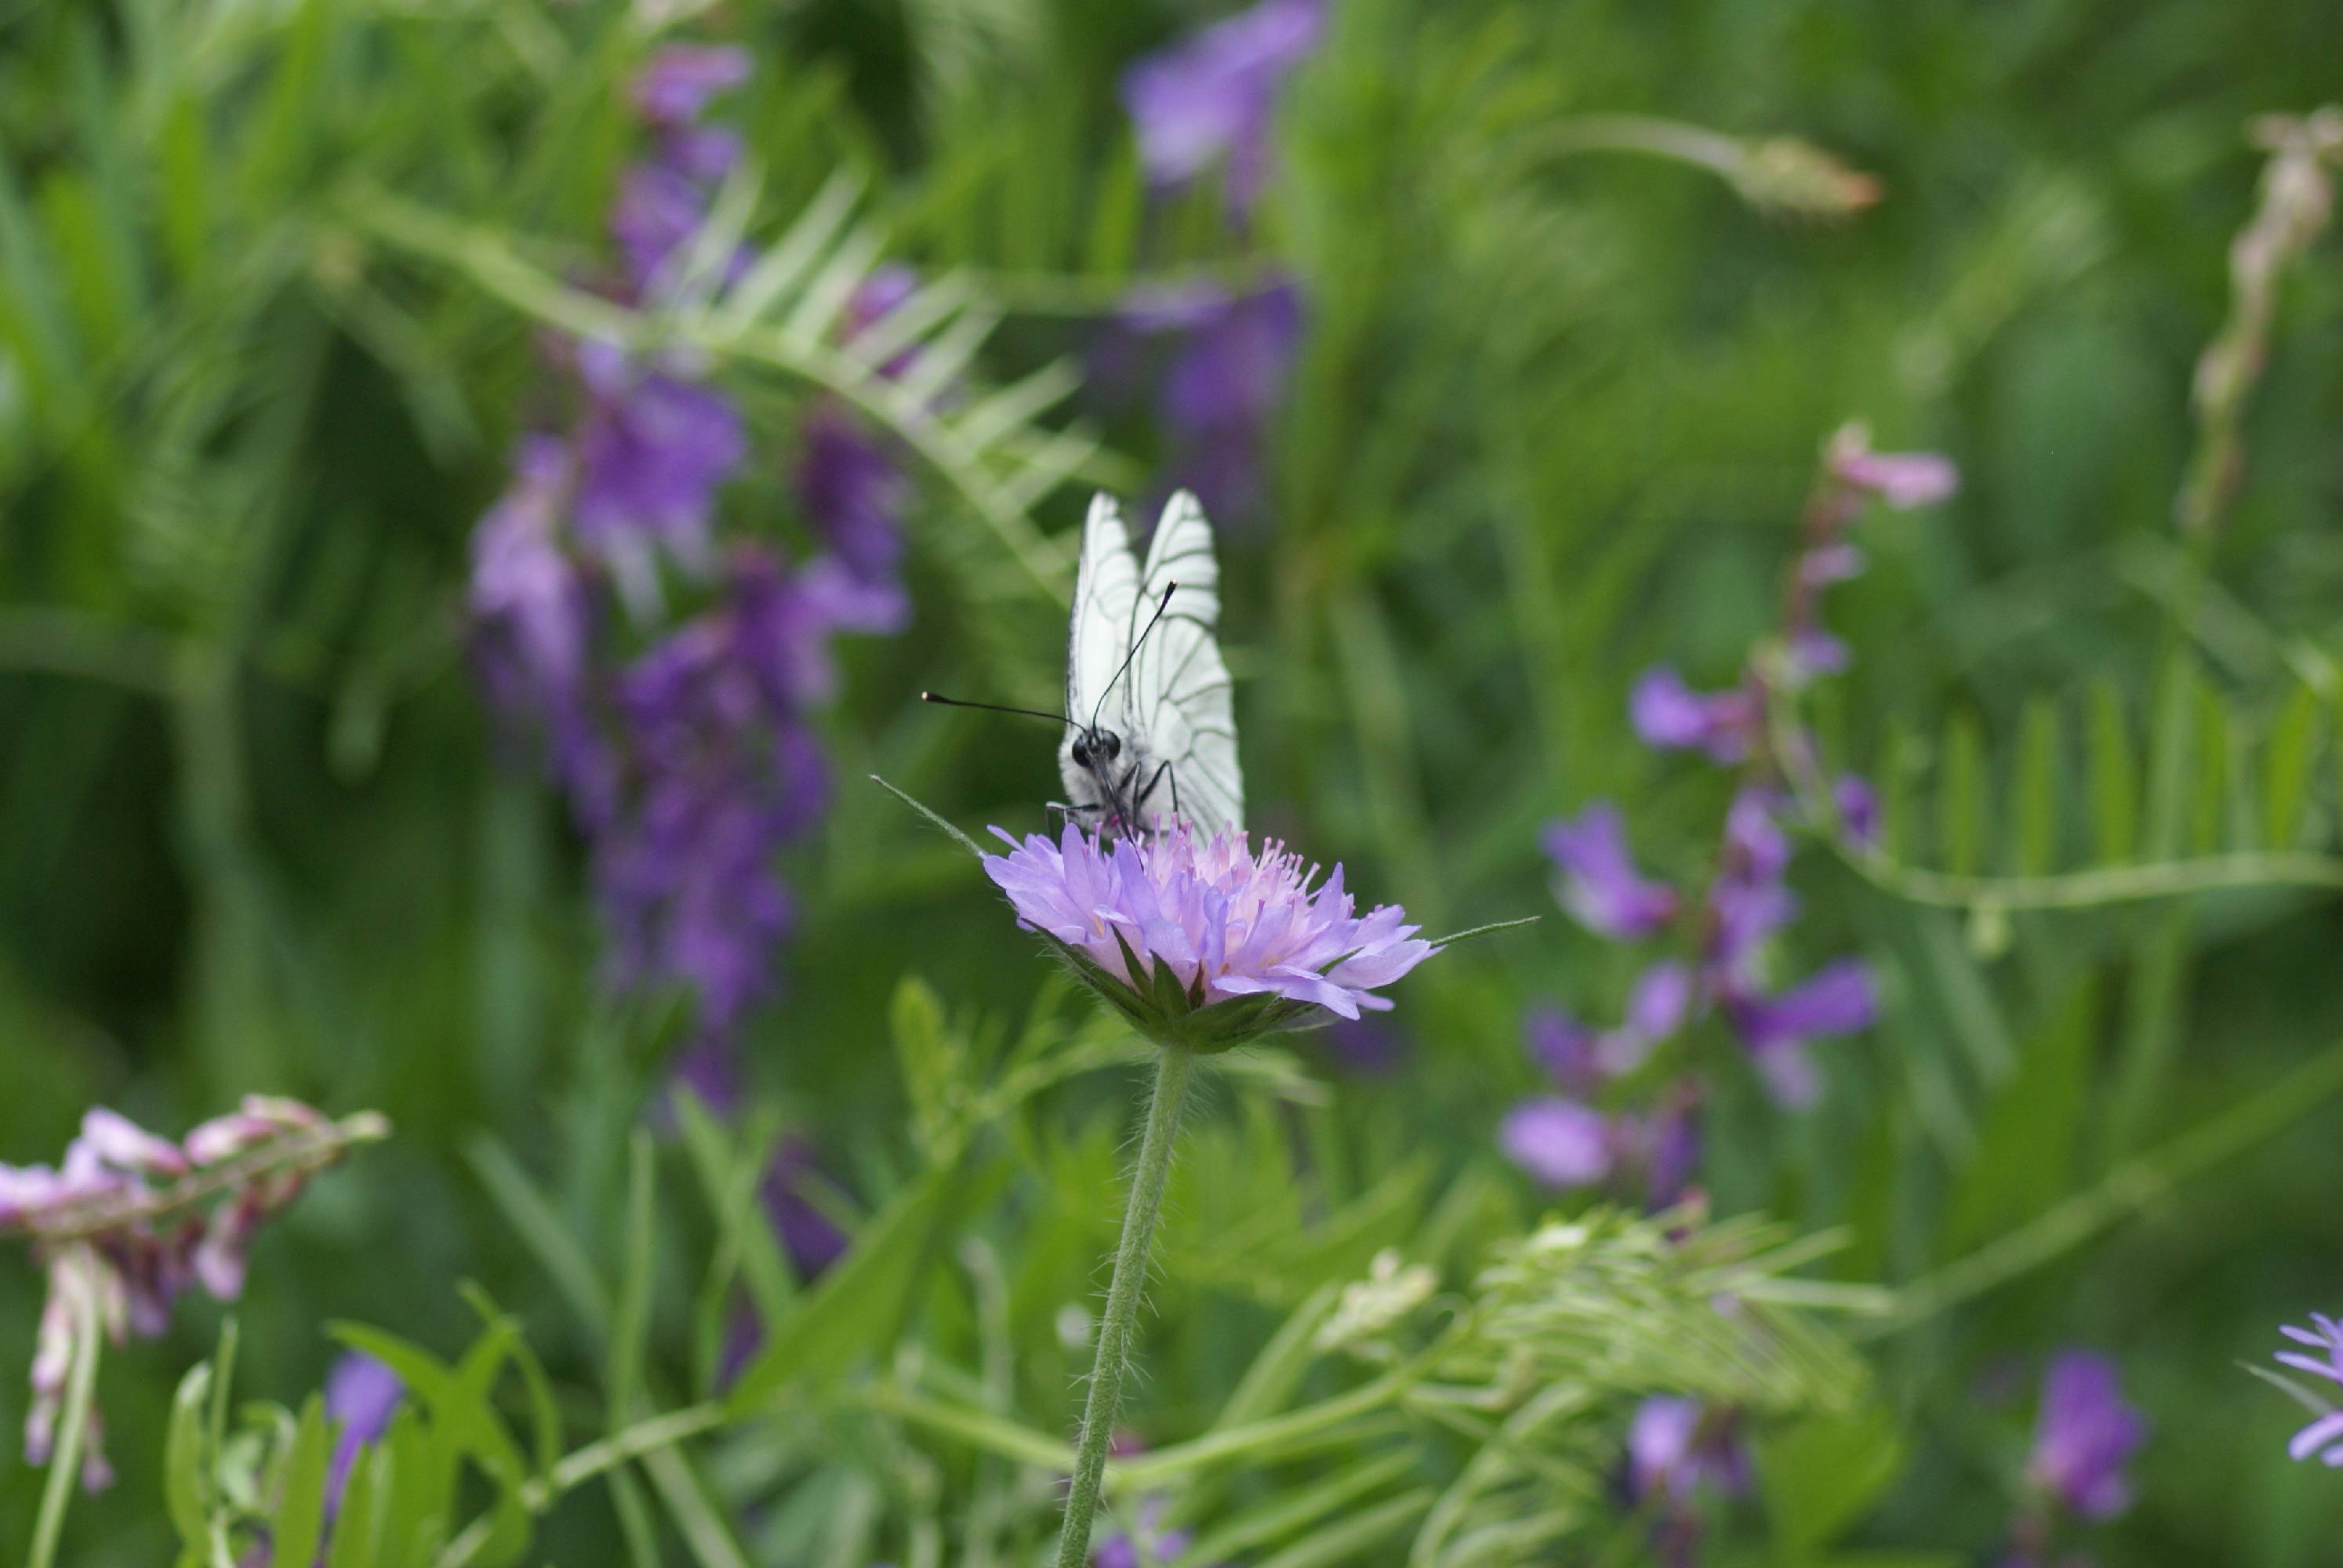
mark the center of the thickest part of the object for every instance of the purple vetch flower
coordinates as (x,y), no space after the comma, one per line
(1224,380)
(1214,96)
(1838,999)
(722,768)
(2322,1438)
(1671,715)
(810,1238)
(1216,920)
(1680,1454)
(1124,1549)
(1599,884)
(675,87)
(1677,1447)
(1903,480)
(1858,807)
(128,1220)
(1365,1047)
(2085,1436)
(651,453)
(361,1396)
(852,492)
(1559,1142)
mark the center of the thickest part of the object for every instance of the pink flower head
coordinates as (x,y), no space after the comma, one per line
(1172,930)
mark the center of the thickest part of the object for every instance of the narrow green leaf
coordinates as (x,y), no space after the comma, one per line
(1960,823)
(187,1459)
(858,1302)
(2171,721)
(541,1228)
(2209,789)
(1902,754)
(2030,1146)
(930,1060)
(1822,1473)
(545,1417)
(357,1527)
(2285,779)
(298,1523)
(630,1324)
(2035,789)
(2114,777)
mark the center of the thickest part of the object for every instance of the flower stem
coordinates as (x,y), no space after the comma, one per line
(1173,1065)
(65,1459)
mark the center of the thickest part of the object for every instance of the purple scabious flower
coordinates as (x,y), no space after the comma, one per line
(1214,99)
(1598,883)
(1174,928)
(1670,716)
(2085,1436)
(2322,1438)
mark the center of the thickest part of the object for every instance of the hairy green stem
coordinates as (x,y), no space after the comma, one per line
(1172,1069)
(65,1459)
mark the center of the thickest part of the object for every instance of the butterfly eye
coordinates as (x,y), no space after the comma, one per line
(1111,746)
(1081,753)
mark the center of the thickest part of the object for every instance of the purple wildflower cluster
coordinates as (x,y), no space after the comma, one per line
(127,1222)
(1212,922)
(1211,100)
(689,764)
(2322,1438)
(1562,1139)
(2084,1437)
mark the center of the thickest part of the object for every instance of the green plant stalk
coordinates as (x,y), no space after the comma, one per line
(2124,1191)
(64,1459)
(1174,1066)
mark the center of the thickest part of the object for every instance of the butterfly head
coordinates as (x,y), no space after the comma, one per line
(1096,747)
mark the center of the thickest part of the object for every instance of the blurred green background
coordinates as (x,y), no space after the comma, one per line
(1551,420)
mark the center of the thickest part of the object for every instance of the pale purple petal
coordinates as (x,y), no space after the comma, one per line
(1214,96)
(2328,1429)
(1599,883)
(2086,1436)
(1671,715)
(680,80)
(1560,1143)
(1901,480)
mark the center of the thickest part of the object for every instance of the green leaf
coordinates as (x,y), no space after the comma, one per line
(2114,777)
(188,1458)
(2035,789)
(930,1057)
(2285,783)
(963,840)
(1821,1475)
(298,1523)
(1960,826)
(2209,795)
(357,1527)
(545,1418)
(2027,1149)
(859,1301)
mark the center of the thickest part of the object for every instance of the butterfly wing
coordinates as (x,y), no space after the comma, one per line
(1177,706)
(1106,587)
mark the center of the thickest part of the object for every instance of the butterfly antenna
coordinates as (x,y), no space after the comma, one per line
(993,707)
(1137,643)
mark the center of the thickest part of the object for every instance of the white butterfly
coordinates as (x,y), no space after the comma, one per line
(1149,732)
